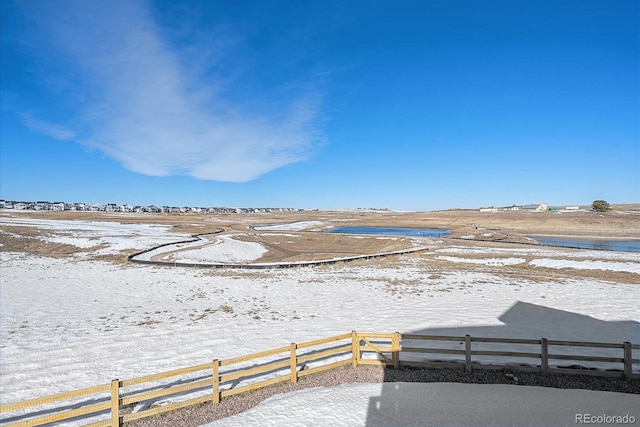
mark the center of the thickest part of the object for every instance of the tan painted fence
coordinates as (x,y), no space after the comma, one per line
(123,401)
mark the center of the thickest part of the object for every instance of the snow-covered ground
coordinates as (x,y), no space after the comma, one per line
(484,261)
(293,226)
(542,251)
(98,237)
(345,405)
(224,249)
(601,260)
(434,404)
(76,322)
(207,250)
(632,267)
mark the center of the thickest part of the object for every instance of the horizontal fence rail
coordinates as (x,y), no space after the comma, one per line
(119,402)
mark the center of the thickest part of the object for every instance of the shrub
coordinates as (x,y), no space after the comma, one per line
(600,206)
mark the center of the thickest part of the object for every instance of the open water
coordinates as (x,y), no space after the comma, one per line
(598,244)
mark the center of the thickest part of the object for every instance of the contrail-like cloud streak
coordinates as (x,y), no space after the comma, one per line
(151,115)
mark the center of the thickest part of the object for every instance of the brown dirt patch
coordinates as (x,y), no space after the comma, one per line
(31,240)
(316,246)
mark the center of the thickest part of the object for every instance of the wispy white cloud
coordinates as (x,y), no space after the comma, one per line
(154,116)
(46,128)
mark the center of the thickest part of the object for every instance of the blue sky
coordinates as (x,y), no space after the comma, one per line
(409,105)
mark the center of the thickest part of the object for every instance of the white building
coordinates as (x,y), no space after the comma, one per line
(536,207)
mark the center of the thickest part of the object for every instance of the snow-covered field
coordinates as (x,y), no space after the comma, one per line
(607,261)
(294,226)
(98,237)
(207,250)
(74,322)
(433,404)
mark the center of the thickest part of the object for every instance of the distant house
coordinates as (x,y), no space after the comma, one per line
(536,207)
(113,207)
(572,208)
(42,206)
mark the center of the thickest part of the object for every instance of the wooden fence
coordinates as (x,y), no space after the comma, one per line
(120,402)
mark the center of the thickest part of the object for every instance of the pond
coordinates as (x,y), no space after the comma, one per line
(393,231)
(582,243)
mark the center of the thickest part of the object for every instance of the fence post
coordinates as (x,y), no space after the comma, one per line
(628,361)
(544,356)
(294,364)
(355,349)
(395,350)
(467,353)
(115,403)
(215,365)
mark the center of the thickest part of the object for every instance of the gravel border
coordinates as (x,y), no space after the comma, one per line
(201,414)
